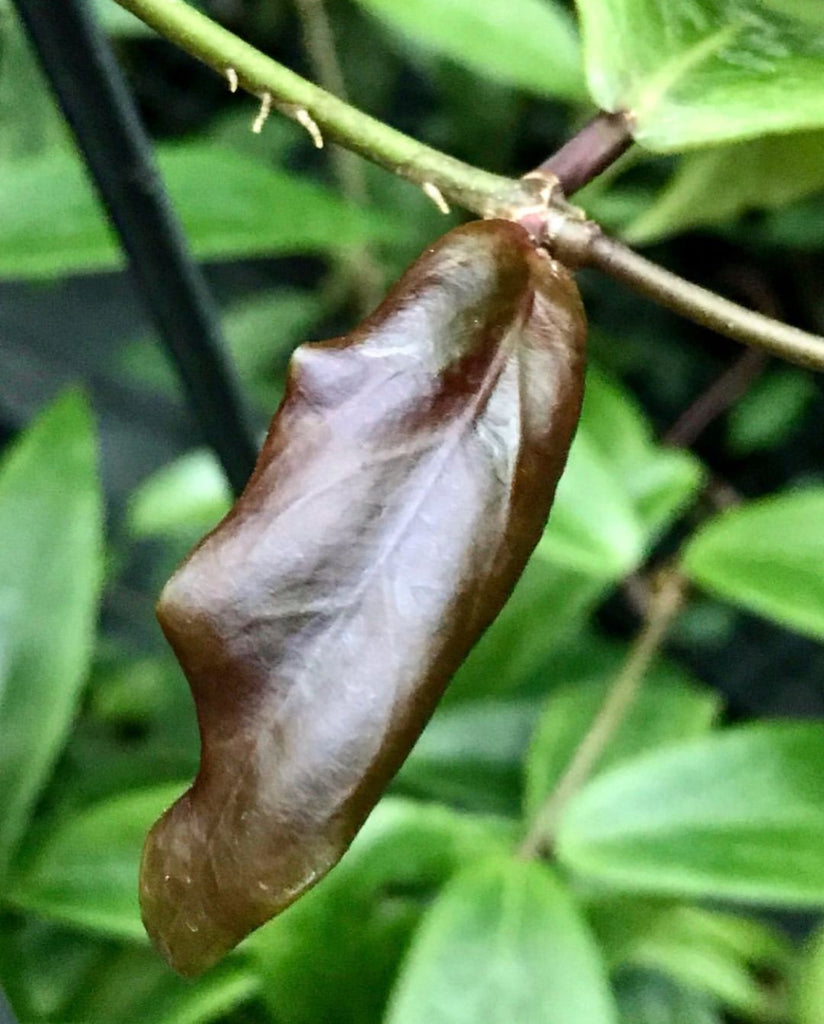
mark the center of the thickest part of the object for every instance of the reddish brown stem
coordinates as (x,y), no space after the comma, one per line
(596,146)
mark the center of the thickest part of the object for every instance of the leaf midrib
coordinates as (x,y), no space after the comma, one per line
(657,85)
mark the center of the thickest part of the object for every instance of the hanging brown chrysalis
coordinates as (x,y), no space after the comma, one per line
(405,480)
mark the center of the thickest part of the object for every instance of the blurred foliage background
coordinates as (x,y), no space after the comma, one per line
(689,874)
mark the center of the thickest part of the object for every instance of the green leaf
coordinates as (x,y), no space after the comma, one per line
(797,227)
(549,604)
(503,942)
(733,816)
(261,331)
(53,974)
(646,998)
(138,730)
(50,575)
(117,21)
(470,755)
(717,185)
(131,690)
(85,874)
(810,994)
(179,1003)
(740,962)
(530,44)
(134,985)
(809,11)
(704,71)
(770,411)
(188,495)
(766,557)
(669,708)
(368,907)
(30,122)
(619,490)
(40,965)
(593,527)
(230,206)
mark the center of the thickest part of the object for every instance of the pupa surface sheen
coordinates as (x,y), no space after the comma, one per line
(404,482)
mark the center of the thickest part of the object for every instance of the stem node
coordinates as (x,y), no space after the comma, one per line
(536,201)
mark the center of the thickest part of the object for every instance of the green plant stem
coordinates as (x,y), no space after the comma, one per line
(532,200)
(470,187)
(664,604)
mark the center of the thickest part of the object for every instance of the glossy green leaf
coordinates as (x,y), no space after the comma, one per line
(230,205)
(668,709)
(704,623)
(770,411)
(594,528)
(620,487)
(798,226)
(129,691)
(212,999)
(579,656)
(54,974)
(170,999)
(702,71)
(810,989)
(738,962)
(30,122)
(85,873)
(645,997)
(809,11)
(119,22)
(546,609)
(188,495)
(134,985)
(261,331)
(51,564)
(733,816)
(407,846)
(766,557)
(530,44)
(370,903)
(717,185)
(503,942)
(470,755)
(138,731)
(40,964)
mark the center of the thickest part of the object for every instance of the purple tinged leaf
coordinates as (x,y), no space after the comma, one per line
(405,480)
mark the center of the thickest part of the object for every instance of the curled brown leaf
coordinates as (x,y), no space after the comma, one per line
(405,480)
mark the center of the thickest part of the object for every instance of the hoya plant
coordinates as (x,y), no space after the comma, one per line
(452,747)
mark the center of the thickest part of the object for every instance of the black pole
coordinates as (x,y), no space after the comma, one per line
(96,102)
